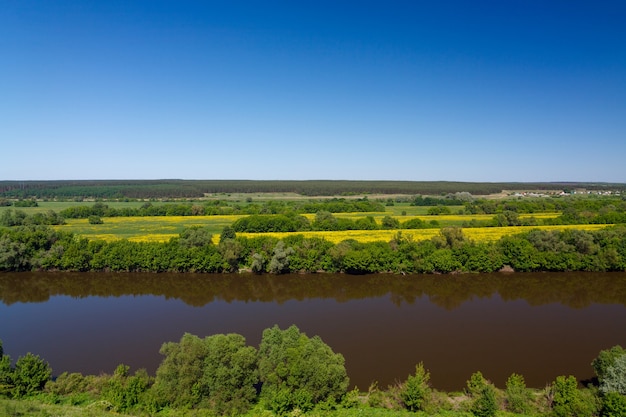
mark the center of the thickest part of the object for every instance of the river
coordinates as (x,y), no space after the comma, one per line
(539,325)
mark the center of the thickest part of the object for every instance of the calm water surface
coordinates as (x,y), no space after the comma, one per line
(538,325)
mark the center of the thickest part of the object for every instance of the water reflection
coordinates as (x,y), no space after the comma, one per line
(575,290)
(539,325)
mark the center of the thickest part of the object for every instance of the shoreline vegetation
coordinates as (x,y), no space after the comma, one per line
(290,374)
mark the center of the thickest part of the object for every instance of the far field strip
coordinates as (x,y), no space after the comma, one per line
(160,229)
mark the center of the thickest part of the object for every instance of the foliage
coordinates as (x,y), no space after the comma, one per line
(605,359)
(227,233)
(298,371)
(218,371)
(280,261)
(193,237)
(125,392)
(518,397)
(95,220)
(614,378)
(484,403)
(613,405)
(30,375)
(416,389)
(567,400)
(6,374)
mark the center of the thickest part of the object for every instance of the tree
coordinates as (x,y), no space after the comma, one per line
(483,396)
(518,397)
(614,379)
(230,373)
(177,377)
(605,359)
(193,237)
(485,404)
(6,373)
(218,371)
(227,233)
(95,220)
(298,371)
(613,405)
(280,261)
(389,222)
(125,391)
(30,375)
(566,399)
(416,390)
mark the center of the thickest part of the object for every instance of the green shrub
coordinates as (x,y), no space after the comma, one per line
(518,397)
(416,390)
(95,220)
(613,405)
(485,403)
(302,368)
(614,378)
(30,375)
(605,359)
(218,372)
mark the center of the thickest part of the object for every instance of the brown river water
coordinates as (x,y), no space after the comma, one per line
(539,325)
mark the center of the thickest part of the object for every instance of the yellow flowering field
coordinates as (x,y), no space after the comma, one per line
(161,229)
(479,234)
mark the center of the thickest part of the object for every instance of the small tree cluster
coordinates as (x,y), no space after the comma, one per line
(27,377)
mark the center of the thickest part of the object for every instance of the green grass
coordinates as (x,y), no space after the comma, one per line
(37,408)
(161,228)
(57,206)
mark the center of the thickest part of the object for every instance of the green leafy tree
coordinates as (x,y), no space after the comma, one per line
(30,375)
(192,237)
(218,372)
(232,253)
(324,220)
(125,391)
(416,389)
(389,222)
(567,400)
(177,377)
(6,373)
(94,219)
(227,233)
(280,260)
(230,374)
(614,379)
(605,359)
(483,396)
(518,397)
(613,405)
(297,370)
(485,403)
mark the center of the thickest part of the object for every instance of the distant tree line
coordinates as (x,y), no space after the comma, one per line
(40,247)
(291,373)
(142,189)
(544,205)
(323,221)
(222,207)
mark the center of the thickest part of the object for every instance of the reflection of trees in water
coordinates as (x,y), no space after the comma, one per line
(575,290)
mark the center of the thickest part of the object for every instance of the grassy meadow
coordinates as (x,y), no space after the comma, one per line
(153,229)
(160,229)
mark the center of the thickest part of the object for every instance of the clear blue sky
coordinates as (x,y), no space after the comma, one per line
(514,90)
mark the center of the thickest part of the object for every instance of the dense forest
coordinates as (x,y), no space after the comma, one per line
(198,188)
